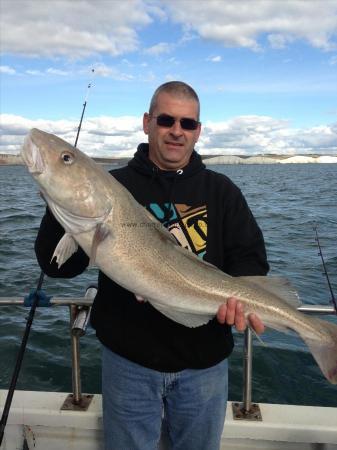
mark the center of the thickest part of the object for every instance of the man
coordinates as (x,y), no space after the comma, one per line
(153,367)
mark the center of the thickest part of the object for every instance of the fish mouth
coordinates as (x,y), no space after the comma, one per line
(32,156)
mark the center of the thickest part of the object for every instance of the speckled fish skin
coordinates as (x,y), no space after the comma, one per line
(133,249)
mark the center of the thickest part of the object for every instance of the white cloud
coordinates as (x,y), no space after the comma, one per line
(73,29)
(53,71)
(34,72)
(100,136)
(111,72)
(41,73)
(159,49)
(99,69)
(240,24)
(247,135)
(279,41)
(78,29)
(7,70)
(119,136)
(215,59)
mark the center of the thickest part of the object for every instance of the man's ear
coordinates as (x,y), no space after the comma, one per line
(199,131)
(146,122)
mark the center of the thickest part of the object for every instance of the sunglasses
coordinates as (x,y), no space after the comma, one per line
(164,120)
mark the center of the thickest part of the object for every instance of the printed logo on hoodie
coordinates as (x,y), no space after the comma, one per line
(188,224)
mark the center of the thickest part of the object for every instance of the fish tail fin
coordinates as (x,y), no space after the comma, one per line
(325,353)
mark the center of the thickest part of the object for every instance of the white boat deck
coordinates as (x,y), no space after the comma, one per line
(37,416)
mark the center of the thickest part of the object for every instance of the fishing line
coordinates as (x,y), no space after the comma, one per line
(320,253)
(35,297)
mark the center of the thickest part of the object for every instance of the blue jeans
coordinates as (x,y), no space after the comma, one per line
(190,404)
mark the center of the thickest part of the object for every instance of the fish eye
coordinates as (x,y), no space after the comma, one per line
(67,158)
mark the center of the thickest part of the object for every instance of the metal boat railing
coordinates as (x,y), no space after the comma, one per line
(79,311)
(248,410)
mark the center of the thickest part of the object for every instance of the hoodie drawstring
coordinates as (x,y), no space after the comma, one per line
(168,208)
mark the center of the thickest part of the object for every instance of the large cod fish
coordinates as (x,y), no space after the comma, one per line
(123,239)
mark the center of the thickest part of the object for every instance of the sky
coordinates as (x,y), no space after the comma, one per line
(265,71)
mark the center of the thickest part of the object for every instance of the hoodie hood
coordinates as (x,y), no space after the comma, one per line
(141,163)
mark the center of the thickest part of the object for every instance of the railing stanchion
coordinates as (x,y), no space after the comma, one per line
(75,355)
(247,410)
(247,370)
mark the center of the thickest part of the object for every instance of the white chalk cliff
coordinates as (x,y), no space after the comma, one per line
(296,159)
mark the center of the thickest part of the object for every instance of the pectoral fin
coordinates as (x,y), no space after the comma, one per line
(101,232)
(64,249)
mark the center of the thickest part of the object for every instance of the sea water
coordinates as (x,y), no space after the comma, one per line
(287,201)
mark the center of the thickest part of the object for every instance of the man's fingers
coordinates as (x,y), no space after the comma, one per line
(221,314)
(240,321)
(231,311)
(256,323)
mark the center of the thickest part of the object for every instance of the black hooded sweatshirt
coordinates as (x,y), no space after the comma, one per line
(208,215)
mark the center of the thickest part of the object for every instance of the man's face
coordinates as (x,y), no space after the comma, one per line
(171,148)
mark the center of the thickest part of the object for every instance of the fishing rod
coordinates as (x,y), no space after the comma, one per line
(84,106)
(320,253)
(34,299)
(10,393)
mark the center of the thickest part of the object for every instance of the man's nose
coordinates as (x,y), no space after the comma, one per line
(176,129)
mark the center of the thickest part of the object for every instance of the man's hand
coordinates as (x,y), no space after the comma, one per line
(232,313)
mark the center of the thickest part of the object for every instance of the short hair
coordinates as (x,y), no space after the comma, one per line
(177,89)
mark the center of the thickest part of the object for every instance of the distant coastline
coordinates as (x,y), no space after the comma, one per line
(7,159)
(271,159)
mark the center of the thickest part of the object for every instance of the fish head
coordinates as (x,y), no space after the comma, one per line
(72,184)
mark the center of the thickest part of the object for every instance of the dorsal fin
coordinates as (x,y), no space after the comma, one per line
(279,286)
